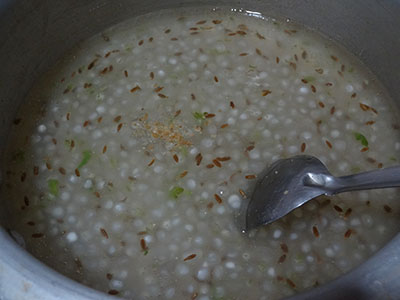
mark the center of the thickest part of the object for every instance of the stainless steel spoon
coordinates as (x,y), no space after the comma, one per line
(289,183)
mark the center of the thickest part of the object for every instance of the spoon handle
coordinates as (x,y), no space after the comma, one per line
(375,179)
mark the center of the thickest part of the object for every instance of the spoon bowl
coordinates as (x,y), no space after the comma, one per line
(289,183)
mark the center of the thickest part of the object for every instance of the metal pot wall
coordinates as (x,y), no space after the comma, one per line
(34,34)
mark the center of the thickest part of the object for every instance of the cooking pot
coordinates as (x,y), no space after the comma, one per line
(34,34)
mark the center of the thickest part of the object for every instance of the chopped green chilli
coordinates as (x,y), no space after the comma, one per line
(361,138)
(53,186)
(175,192)
(86,157)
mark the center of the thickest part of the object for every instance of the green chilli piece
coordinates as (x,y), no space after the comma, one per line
(361,138)
(175,192)
(53,186)
(86,157)
(309,78)
(199,116)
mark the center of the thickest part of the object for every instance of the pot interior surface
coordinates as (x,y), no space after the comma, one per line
(35,35)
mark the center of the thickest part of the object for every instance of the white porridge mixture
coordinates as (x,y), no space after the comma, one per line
(133,156)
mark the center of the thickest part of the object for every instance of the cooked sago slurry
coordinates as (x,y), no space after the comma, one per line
(131,159)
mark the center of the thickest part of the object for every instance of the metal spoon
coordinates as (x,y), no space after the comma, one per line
(289,183)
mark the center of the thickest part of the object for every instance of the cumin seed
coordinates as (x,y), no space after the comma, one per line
(338,208)
(315,231)
(265,92)
(364,107)
(282,259)
(328,143)
(217,163)
(387,208)
(91,65)
(136,88)
(303,147)
(113,292)
(313,89)
(249,148)
(242,193)
(152,162)
(348,233)
(62,170)
(104,233)
(143,244)
(319,71)
(37,235)
(176,158)
(198,159)
(348,212)
(224,158)
(261,37)
(189,257)
(290,282)
(252,176)
(218,198)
